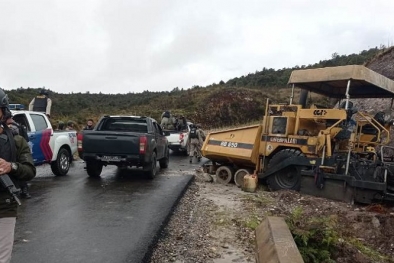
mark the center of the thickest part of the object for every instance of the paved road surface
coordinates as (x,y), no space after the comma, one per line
(113,219)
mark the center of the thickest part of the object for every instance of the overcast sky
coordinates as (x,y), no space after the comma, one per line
(125,46)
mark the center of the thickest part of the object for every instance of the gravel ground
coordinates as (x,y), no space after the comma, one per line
(201,228)
(215,223)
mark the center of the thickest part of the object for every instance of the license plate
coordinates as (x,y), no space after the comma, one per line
(111,158)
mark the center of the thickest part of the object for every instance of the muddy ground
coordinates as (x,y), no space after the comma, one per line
(215,223)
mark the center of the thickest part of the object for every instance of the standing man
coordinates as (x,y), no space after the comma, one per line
(165,119)
(70,126)
(16,163)
(201,135)
(194,142)
(182,123)
(41,103)
(89,125)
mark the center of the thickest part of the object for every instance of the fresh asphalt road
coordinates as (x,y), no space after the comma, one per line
(75,218)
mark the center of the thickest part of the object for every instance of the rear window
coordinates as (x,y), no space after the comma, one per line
(124,124)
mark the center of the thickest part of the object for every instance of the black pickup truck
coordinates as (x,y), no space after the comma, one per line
(125,141)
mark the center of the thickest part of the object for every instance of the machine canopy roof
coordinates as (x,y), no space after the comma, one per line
(332,82)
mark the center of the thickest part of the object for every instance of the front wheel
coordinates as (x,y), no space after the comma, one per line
(62,163)
(290,176)
(224,174)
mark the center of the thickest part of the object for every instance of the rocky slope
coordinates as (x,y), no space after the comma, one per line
(383,63)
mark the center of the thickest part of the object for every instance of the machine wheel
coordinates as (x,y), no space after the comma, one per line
(94,168)
(239,176)
(287,178)
(61,166)
(165,160)
(224,174)
(151,167)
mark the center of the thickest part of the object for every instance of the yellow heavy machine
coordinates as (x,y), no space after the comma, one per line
(339,153)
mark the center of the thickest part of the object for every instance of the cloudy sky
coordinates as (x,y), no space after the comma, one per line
(115,46)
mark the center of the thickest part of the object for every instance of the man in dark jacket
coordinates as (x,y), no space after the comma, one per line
(41,103)
(16,163)
(89,125)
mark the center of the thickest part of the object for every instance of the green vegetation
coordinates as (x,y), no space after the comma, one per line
(320,239)
(369,252)
(316,238)
(238,101)
(252,222)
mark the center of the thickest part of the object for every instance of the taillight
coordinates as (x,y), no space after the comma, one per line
(143,141)
(181,137)
(79,141)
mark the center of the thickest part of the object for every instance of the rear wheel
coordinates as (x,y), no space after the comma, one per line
(150,169)
(165,160)
(289,177)
(94,168)
(224,174)
(239,176)
(62,164)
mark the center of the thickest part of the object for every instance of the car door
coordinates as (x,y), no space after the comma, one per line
(39,138)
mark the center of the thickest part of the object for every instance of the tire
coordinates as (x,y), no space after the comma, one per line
(61,166)
(150,169)
(224,174)
(287,178)
(94,168)
(165,160)
(239,176)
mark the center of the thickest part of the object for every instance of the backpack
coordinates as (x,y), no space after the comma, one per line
(166,114)
(193,133)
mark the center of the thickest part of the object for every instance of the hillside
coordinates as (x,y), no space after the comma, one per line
(237,101)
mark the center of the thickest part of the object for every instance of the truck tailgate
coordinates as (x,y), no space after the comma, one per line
(111,143)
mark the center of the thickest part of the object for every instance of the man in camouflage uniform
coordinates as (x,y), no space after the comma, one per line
(166,120)
(194,140)
(16,163)
(202,135)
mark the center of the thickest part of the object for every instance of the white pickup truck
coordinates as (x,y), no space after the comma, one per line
(177,140)
(48,146)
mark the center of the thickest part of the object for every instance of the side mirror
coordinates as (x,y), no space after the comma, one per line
(166,133)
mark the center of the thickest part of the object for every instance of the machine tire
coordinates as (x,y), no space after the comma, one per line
(287,178)
(224,174)
(239,176)
(62,163)
(165,160)
(94,168)
(150,171)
